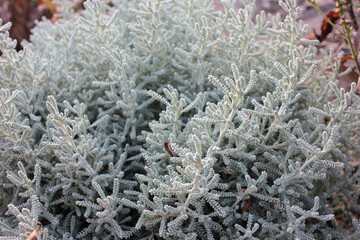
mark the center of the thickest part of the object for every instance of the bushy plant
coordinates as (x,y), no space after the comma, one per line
(151,119)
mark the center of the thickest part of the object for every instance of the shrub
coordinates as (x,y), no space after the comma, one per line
(170,120)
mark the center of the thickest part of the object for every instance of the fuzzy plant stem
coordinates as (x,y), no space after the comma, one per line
(228,121)
(234,109)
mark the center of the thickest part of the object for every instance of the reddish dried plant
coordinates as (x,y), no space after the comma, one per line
(34,234)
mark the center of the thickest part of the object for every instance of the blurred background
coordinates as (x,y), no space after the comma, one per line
(24,13)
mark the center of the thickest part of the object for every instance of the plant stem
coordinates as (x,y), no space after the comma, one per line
(352,14)
(315,4)
(346,34)
(222,134)
(312,159)
(348,38)
(352,48)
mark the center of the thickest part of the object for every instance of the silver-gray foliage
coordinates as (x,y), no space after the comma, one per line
(152,119)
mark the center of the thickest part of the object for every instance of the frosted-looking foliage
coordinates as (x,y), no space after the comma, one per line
(152,119)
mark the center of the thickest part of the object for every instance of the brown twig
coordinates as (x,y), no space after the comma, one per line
(34,234)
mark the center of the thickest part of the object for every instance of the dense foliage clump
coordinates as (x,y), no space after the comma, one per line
(152,119)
